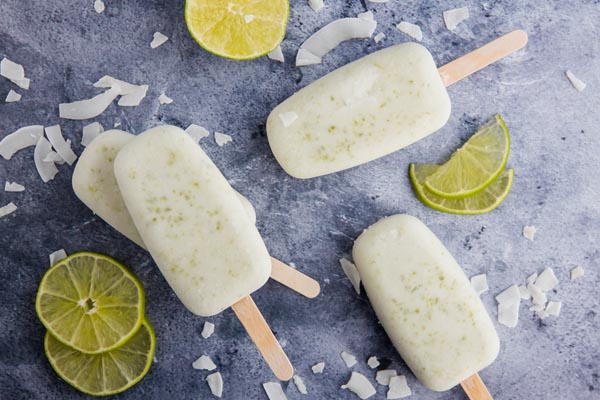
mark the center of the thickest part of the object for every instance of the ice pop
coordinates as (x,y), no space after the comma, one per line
(95,184)
(371,107)
(425,302)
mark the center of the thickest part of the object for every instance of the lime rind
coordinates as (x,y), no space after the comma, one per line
(483,202)
(80,324)
(473,164)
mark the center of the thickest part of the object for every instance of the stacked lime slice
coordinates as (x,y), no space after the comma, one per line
(98,339)
(474,180)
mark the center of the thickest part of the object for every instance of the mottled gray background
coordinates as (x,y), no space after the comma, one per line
(65,47)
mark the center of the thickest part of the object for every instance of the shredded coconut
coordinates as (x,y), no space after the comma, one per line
(349,359)
(164,99)
(318,368)
(529,232)
(274,391)
(383,377)
(197,132)
(379,37)
(208,330)
(90,132)
(46,170)
(57,256)
(12,97)
(222,139)
(479,283)
(99,6)
(576,82)
(158,39)
(352,273)
(373,362)
(454,17)
(7,209)
(20,139)
(411,30)
(204,363)
(398,388)
(13,187)
(316,5)
(547,280)
(215,383)
(299,382)
(276,54)
(62,147)
(360,385)
(577,272)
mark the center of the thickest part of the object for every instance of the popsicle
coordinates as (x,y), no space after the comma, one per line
(371,107)
(95,185)
(426,304)
(197,231)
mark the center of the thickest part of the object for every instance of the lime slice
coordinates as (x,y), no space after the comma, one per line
(90,302)
(479,203)
(475,165)
(237,29)
(107,373)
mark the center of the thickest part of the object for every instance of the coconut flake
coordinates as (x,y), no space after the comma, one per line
(90,132)
(536,307)
(158,39)
(553,308)
(349,359)
(197,132)
(57,256)
(215,383)
(318,368)
(46,170)
(454,17)
(22,83)
(13,187)
(398,388)
(547,280)
(316,5)
(55,158)
(288,118)
(7,209)
(531,278)
(524,292)
(368,15)
(204,363)
(62,147)
(360,385)
(479,283)
(411,30)
(508,313)
(164,99)
(274,391)
(222,139)
(352,273)
(576,82)
(299,382)
(20,139)
(373,362)
(330,36)
(208,330)
(379,37)
(538,297)
(90,108)
(11,70)
(248,18)
(577,272)
(131,95)
(99,6)
(276,54)
(529,232)
(12,97)
(383,377)
(510,295)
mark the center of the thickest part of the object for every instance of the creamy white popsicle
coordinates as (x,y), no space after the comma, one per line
(191,220)
(359,112)
(425,302)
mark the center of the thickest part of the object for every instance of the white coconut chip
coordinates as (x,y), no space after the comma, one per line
(577,272)
(360,385)
(99,6)
(479,283)
(288,118)
(553,308)
(158,39)
(57,256)
(197,132)
(62,147)
(274,391)
(576,82)
(383,377)
(300,385)
(349,359)
(510,295)
(524,292)
(23,83)
(131,95)
(204,363)
(531,278)
(379,37)
(529,232)
(411,30)
(316,5)
(46,170)
(373,362)
(398,388)
(20,139)
(90,132)
(55,158)
(12,97)
(536,307)
(248,18)
(454,17)
(508,313)
(276,54)
(318,368)
(547,280)
(215,383)
(368,15)
(331,35)
(7,209)
(11,70)
(13,187)
(352,273)
(90,108)
(164,99)
(222,139)
(538,297)
(208,330)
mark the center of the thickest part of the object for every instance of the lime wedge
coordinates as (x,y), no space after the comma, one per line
(479,203)
(107,373)
(475,165)
(90,302)
(237,29)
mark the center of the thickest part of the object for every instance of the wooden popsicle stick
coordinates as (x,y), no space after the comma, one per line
(475,388)
(294,279)
(262,336)
(472,62)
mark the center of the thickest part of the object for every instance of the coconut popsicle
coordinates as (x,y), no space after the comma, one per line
(425,302)
(371,107)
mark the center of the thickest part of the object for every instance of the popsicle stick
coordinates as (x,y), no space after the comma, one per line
(295,280)
(475,388)
(472,62)
(258,329)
